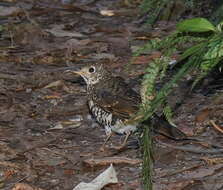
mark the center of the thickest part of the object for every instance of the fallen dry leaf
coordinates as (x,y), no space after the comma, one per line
(146,59)
(107,12)
(202,115)
(24,186)
(57,30)
(54,84)
(7,11)
(106,177)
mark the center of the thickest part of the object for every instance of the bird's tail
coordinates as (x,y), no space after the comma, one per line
(163,127)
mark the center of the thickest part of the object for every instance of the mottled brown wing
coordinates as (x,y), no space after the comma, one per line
(118,98)
(123,102)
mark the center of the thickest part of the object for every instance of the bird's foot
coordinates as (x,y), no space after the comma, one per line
(123,145)
(102,148)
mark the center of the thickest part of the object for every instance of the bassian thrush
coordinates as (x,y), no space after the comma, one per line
(112,102)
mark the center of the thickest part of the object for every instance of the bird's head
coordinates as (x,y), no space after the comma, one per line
(93,74)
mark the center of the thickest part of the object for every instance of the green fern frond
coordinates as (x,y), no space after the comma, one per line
(215,48)
(206,67)
(154,8)
(168,45)
(203,56)
(147,91)
(151,45)
(168,113)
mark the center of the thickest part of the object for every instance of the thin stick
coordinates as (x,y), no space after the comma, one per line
(181,170)
(216,126)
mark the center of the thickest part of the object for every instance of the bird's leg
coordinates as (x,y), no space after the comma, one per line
(124,142)
(106,140)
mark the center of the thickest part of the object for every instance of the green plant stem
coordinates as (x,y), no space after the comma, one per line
(147,159)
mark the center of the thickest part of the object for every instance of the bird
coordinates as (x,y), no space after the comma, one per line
(112,102)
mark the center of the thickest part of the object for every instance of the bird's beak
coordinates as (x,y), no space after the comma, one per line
(74,72)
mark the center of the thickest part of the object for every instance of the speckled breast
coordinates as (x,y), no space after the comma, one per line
(103,117)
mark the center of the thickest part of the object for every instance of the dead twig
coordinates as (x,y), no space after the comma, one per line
(7,76)
(212,161)
(66,157)
(181,170)
(216,126)
(24,186)
(192,149)
(111,160)
(9,164)
(41,145)
(17,186)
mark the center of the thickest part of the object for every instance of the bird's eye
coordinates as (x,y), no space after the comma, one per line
(91,70)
